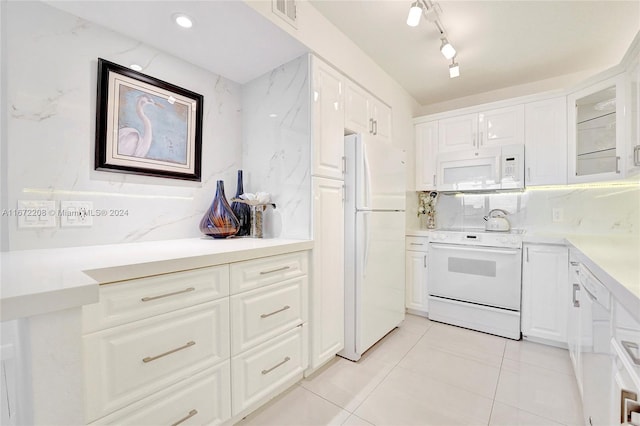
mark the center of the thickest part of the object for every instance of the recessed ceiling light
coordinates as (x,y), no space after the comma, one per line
(135,67)
(183,20)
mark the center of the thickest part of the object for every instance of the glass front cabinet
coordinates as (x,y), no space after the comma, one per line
(597,131)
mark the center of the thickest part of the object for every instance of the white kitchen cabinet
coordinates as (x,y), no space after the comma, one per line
(265,369)
(633,118)
(416,275)
(574,322)
(546,142)
(327,289)
(204,398)
(365,114)
(596,134)
(426,155)
(497,127)
(328,121)
(126,363)
(545,293)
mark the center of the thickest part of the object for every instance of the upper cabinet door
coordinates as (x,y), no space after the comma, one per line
(633,100)
(458,133)
(596,117)
(546,142)
(365,114)
(503,126)
(426,155)
(381,116)
(357,117)
(328,121)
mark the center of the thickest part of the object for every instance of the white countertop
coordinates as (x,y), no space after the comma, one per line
(34,282)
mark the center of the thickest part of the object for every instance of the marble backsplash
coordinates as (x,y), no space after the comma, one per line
(606,210)
(276,145)
(50,63)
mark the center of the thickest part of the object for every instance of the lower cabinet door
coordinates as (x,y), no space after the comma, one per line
(127,363)
(261,371)
(201,399)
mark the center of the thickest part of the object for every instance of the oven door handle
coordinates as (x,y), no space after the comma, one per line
(479,248)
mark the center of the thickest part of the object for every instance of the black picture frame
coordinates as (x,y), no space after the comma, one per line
(129,105)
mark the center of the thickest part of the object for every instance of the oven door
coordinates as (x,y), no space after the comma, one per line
(488,276)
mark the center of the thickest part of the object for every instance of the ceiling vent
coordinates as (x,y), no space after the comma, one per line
(286,9)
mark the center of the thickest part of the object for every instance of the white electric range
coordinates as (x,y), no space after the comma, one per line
(475,279)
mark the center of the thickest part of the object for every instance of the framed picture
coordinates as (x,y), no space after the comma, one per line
(146,126)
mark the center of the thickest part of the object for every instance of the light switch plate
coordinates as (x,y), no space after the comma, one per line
(558,214)
(76,213)
(36,214)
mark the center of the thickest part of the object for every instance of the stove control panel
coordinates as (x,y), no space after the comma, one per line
(487,239)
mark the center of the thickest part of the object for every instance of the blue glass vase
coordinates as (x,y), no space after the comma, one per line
(241,210)
(219,221)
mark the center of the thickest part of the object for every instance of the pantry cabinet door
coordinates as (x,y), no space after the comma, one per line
(328,121)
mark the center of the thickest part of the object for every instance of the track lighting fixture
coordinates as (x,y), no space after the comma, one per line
(415,13)
(431,11)
(447,49)
(454,68)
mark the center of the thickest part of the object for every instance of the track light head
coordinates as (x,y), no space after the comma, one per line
(447,49)
(454,69)
(415,13)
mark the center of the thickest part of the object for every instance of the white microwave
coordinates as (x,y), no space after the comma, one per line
(489,168)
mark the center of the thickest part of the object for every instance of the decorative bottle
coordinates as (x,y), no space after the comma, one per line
(219,220)
(241,210)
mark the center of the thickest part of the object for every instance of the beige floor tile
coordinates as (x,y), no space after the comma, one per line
(505,415)
(407,397)
(539,391)
(416,323)
(393,347)
(550,357)
(354,420)
(346,383)
(297,407)
(465,373)
(467,343)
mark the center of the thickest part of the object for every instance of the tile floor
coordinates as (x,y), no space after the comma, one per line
(428,373)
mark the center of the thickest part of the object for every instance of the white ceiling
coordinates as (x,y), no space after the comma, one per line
(499,43)
(228,38)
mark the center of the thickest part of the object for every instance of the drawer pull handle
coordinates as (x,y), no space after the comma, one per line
(630,347)
(284,268)
(186,290)
(185,418)
(153,358)
(276,366)
(275,312)
(417,244)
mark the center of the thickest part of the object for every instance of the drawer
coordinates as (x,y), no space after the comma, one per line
(260,314)
(126,363)
(201,399)
(267,270)
(261,371)
(131,300)
(417,243)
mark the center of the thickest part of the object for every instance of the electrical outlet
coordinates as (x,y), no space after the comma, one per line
(558,214)
(76,213)
(36,214)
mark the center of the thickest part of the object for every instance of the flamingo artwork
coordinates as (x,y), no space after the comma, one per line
(130,141)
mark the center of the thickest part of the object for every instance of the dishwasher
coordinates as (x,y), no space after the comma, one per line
(596,358)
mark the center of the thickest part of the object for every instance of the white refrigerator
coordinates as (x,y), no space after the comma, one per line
(374,242)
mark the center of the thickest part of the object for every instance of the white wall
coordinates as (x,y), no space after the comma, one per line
(51,66)
(276,146)
(4,220)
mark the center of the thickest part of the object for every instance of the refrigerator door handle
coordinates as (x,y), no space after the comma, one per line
(366,187)
(365,218)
